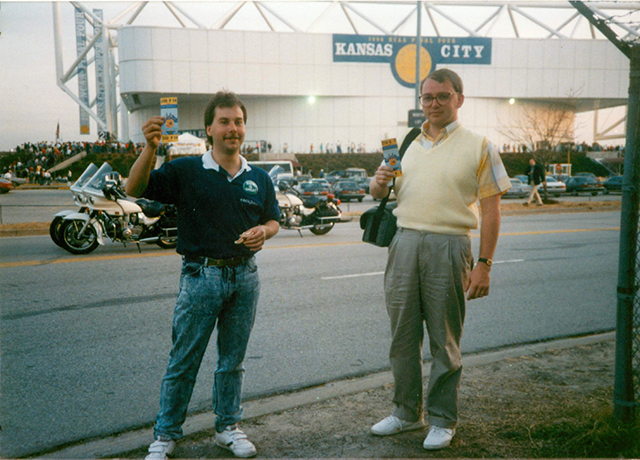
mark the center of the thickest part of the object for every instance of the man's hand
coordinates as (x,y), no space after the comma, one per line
(255,237)
(139,174)
(477,284)
(152,130)
(379,185)
(383,175)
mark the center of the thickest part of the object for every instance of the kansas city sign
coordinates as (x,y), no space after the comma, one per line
(400,52)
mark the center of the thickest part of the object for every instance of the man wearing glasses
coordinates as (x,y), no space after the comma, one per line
(430,268)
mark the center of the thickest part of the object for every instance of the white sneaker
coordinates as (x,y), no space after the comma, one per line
(394,425)
(236,441)
(159,450)
(438,438)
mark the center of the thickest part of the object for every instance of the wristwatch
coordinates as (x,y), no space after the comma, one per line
(489,262)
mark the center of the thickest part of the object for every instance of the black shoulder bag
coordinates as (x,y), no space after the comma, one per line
(379,223)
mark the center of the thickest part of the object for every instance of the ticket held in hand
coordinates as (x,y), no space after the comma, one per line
(391,155)
(169,110)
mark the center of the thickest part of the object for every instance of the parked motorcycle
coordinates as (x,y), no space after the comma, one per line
(78,197)
(317,213)
(110,213)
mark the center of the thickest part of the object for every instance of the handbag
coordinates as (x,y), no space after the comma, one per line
(378,222)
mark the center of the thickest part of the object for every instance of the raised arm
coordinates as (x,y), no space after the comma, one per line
(141,169)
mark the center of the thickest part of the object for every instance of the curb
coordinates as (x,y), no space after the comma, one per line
(9,232)
(113,446)
(43,187)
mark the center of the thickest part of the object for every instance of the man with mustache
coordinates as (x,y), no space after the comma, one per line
(430,266)
(226,212)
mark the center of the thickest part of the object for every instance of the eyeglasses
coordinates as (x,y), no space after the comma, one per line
(442,98)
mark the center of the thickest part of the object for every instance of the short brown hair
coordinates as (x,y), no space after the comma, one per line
(222,99)
(444,75)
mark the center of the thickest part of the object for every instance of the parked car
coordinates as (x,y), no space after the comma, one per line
(322,181)
(363,182)
(312,188)
(517,190)
(15,180)
(583,184)
(5,185)
(349,173)
(347,190)
(522,177)
(554,186)
(588,174)
(561,177)
(613,184)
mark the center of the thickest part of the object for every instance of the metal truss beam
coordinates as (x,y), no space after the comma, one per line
(604,134)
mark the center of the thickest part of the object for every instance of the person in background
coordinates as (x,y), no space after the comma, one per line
(536,177)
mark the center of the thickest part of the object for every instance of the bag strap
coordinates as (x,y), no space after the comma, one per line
(377,217)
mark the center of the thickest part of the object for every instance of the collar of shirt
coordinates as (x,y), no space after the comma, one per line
(429,142)
(209,163)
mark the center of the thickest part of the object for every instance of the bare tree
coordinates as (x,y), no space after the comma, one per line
(542,129)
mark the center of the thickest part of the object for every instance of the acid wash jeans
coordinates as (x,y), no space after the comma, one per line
(208,295)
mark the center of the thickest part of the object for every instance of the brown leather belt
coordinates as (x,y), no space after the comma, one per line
(209,262)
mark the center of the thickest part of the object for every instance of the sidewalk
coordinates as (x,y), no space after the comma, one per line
(536,400)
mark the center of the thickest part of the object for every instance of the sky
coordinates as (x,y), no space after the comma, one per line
(32,104)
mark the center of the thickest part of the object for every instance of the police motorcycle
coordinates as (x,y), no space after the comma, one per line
(79,199)
(110,213)
(317,213)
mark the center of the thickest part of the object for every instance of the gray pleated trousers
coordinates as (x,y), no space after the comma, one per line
(424,282)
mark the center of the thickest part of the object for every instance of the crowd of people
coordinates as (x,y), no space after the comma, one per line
(565,147)
(34,159)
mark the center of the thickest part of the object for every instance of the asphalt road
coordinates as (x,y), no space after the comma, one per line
(85,339)
(40,205)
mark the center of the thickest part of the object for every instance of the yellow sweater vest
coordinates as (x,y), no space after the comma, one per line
(438,189)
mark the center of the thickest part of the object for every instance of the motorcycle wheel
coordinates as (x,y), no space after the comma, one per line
(70,241)
(322,229)
(55,230)
(167,242)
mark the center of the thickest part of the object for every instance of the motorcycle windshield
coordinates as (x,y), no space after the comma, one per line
(84,178)
(98,180)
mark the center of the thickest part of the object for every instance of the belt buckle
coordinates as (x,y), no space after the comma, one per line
(232,262)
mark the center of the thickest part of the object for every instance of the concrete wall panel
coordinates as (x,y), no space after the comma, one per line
(356,102)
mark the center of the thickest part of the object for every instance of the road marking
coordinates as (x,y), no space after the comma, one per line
(351,276)
(30,263)
(495,262)
(545,232)
(79,259)
(512,261)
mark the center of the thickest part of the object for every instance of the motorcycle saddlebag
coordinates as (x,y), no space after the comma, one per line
(310,202)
